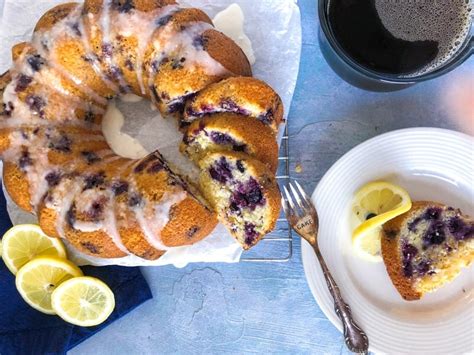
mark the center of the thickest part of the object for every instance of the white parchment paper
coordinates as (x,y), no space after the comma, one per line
(274,30)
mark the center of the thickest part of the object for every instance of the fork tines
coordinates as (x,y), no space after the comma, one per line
(296,199)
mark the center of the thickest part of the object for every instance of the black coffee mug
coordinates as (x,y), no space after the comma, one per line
(359,76)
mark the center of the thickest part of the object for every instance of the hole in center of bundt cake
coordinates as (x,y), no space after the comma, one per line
(133,129)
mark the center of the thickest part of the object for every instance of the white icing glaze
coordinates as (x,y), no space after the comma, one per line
(56,33)
(108,32)
(21,114)
(108,223)
(110,227)
(231,22)
(142,26)
(154,218)
(87,227)
(172,44)
(64,203)
(87,198)
(93,60)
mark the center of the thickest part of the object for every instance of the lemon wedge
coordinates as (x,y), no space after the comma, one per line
(24,242)
(37,280)
(83,301)
(375,204)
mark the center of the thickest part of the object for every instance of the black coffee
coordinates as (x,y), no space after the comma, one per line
(403,37)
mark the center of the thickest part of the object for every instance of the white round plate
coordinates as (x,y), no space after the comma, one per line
(432,164)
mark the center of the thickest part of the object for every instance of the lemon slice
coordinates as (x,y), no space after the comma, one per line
(83,301)
(37,280)
(368,245)
(24,242)
(375,204)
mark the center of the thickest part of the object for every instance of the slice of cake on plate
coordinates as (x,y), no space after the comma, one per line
(426,248)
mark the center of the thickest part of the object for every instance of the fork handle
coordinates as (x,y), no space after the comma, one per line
(355,338)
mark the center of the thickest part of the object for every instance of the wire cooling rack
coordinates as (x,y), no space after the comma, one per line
(278,245)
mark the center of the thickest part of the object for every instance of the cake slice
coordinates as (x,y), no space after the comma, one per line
(426,248)
(245,96)
(231,132)
(244,193)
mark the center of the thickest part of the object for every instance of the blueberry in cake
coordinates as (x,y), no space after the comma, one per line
(228,131)
(246,96)
(244,193)
(426,248)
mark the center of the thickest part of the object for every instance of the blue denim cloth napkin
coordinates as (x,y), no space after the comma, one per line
(24,330)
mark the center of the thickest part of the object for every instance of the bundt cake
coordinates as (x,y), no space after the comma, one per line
(243,95)
(228,131)
(426,248)
(57,163)
(244,193)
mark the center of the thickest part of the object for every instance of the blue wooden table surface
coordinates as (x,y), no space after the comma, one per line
(268,308)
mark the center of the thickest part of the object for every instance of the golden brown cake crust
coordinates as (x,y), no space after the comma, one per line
(5,79)
(18,49)
(17,185)
(188,224)
(225,51)
(54,15)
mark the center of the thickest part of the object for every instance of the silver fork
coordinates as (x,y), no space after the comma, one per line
(303,218)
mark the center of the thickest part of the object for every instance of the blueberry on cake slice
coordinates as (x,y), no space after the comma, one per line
(244,193)
(228,131)
(426,248)
(246,96)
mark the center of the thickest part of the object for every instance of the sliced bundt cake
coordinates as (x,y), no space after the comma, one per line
(426,248)
(231,132)
(244,193)
(246,96)
(57,163)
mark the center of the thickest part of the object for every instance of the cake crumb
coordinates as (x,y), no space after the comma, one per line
(299,168)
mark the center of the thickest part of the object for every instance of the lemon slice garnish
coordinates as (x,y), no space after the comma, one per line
(375,204)
(368,245)
(24,242)
(83,301)
(37,280)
